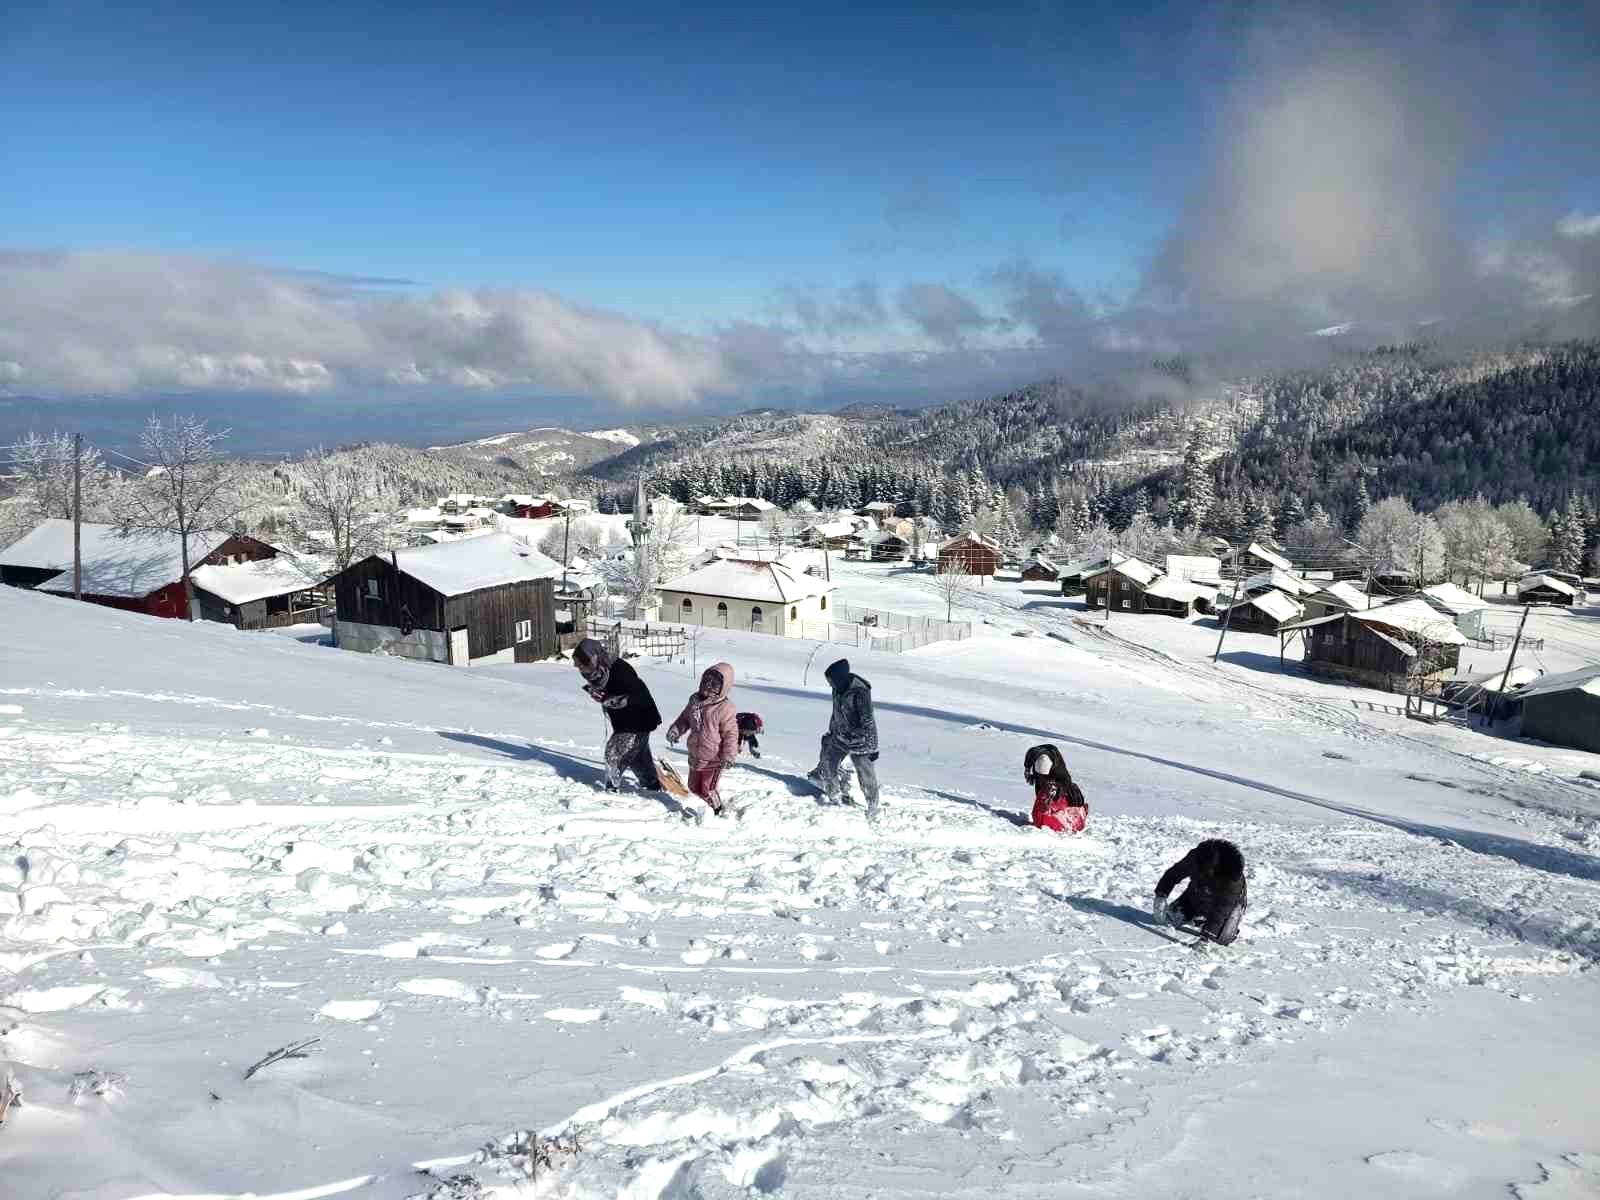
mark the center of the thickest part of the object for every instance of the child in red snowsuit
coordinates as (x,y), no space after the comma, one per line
(713,728)
(1058,802)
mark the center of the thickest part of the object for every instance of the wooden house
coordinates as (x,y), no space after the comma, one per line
(1266,612)
(1178,597)
(1120,585)
(1072,576)
(138,571)
(832,535)
(750,508)
(1272,579)
(1544,588)
(879,510)
(1258,557)
(1340,596)
(267,593)
(884,546)
(480,600)
(1040,569)
(1563,709)
(750,594)
(1400,647)
(971,553)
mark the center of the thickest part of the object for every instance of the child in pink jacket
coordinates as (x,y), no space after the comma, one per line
(713,728)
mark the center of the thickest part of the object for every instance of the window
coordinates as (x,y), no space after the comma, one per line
(824,602)
(755,617)
(722,612)
(688,604)
(524,632)
(794,612)
(372,589)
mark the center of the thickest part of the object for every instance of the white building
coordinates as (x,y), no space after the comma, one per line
(740,593)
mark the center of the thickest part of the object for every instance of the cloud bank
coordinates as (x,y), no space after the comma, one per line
(117,322)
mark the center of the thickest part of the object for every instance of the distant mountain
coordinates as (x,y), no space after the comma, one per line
(549,452)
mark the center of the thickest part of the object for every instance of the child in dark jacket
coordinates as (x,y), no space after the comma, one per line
(1216,897)
(616,687)
(1058,802)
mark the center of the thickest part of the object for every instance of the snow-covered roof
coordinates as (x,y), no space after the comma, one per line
(1499,681)
(831,529)
(456,568)
(1181,590)
(1195,567)
(130,566)
(1275,604)
(240,583)
(1135,569)
(1416,617)
(517,498)
(1270,557)
(878,506)
(1345,594)
(1447,597)
(1529,582)
(483,514)
(1087,566)
(758,504)
(1042,562)
(1284,581)
(1584,679)
(422,516)
(749,579)
(976,538)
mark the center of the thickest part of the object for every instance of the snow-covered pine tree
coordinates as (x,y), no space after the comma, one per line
(1199,492)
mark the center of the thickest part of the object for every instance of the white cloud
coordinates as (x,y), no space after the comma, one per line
(121,322)
(1578,225)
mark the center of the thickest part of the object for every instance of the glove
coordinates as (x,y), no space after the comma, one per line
(873,757)
(614,702)
(727,764)
(595,693)
(1158,910)
(673,735)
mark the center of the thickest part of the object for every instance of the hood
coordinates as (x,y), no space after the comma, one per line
(838,674)
(592,660)
(726,671)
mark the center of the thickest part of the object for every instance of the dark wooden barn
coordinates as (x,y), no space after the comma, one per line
(971,553)
(1563,709)
(1040,570)
(1545,589)
(1266,612)
(263,594)
(479,600)
(1402,647)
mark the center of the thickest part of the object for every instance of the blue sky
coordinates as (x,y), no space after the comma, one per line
(702,170)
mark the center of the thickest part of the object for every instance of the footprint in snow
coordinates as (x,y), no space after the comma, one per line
(351,1010)
(1420,1171)
(447,989)
(575,1016)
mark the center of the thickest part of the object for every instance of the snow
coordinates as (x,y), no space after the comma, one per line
(1135,569)
(749,579)
(220,844)
(456,568)
(1270,557)
(1587,679)
(240,583)
(1453,599)
(1416,617)
(1275,604)
(1347,594)
(129,565)
(1530,582)
(1183,592)
(620,436)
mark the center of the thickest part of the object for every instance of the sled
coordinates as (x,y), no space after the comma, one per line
(671,782)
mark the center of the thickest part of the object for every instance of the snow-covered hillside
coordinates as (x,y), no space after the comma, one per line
(221,844)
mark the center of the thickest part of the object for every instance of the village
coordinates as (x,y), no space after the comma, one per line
(476,580)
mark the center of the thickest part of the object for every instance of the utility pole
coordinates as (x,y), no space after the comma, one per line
(1227,617)
(566,550)
(77,516)
(1505,680)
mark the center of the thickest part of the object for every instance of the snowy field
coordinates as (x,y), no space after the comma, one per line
(219,844)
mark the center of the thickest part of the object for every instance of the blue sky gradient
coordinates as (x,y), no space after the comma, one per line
(703,169)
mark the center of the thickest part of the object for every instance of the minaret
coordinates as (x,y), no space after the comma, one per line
(639,527)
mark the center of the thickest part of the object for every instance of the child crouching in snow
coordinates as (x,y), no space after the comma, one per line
(1058,802)
(713,728)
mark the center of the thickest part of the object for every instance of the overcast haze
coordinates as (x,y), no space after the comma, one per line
(433,221)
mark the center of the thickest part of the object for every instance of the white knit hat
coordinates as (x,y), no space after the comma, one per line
(1042,765)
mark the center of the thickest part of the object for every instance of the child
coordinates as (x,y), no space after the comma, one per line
(713,728)
(750,725)
(617,688)
(1058,802)
(1215,899)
